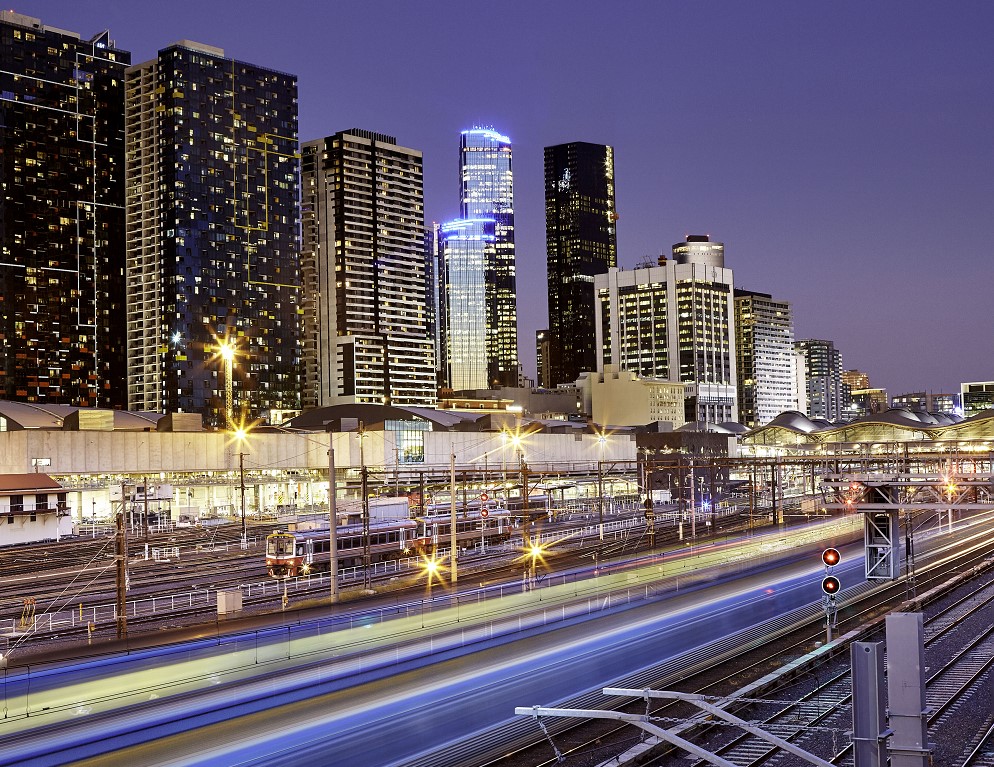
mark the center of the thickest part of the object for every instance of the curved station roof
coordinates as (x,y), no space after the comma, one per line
(894,425)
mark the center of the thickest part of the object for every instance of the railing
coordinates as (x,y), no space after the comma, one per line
(81,615)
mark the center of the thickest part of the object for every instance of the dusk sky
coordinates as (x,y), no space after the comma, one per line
(843,152)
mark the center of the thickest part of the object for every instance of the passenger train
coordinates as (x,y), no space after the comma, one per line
(292,553)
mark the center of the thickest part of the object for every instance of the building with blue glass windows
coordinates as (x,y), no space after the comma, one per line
(477,268)
(212,235)
(466,246)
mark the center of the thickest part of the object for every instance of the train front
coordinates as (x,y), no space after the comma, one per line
(282,560)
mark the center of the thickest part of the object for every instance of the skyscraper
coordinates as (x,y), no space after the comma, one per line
(467,245)
(764,346)
(478,255)
(212,227)
(61,216)
(674,321)
(580,243)
(823,373)
(363,258)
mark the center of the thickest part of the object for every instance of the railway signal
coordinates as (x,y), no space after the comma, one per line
(830,585)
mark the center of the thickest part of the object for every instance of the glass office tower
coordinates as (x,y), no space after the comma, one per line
(580,242)
(467,245)
(61,216)
(212,235)
(486,224)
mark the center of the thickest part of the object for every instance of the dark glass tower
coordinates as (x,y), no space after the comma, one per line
(580,241)
(61,216)
(213,225)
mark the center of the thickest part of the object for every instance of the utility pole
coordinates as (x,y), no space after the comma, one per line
(121,552)
(241,474)
(364,476)
(693,501)
(600,500)
(332,519)
(526,517)
(453,543)
(145,514)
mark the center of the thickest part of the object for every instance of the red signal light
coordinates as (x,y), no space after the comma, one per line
(830,585)
(831,557)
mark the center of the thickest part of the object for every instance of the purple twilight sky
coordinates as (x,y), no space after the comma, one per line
(842,151)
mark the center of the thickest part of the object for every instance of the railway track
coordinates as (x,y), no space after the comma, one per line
(262,594)
(695,676)
(982,752)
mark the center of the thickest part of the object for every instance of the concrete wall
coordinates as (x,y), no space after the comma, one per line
(23,530)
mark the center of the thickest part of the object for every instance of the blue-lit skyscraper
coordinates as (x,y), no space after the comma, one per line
(467,245)
(477,252)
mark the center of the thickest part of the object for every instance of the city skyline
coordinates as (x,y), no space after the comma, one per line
(839,156)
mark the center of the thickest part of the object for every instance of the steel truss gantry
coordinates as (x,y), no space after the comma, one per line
(884,498)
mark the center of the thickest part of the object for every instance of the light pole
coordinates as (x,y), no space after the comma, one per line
(228,355)
(431,570)
(601,441)
(333,518)
(453,542)
(241,435)
(535,552)
(241,474)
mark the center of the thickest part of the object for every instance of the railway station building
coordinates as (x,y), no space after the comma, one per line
(102,458)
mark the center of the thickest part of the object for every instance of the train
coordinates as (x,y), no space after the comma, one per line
(298,552)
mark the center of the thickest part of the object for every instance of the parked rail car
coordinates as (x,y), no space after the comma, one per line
(295,553)
(492,525)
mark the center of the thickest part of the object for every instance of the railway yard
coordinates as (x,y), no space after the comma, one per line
(782,673)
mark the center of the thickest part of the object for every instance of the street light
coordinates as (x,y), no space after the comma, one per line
(227,352)
(535,551)
(431,570)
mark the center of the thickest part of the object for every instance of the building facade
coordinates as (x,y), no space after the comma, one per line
(927,402)
(675,322)
(212,228)
(62,302)
(366,329)
(855,380)
(620,398)
(581,241)
(764,348)
(823,376)
(976,397)
(477,254)
(466,246)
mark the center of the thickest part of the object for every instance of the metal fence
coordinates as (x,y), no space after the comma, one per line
(74,616)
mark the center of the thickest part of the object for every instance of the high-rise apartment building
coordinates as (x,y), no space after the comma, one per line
(212,229)
(675,322)
(477,251)
(764,347)
(61,216)
(363,260)
(581,242)
(823,374)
